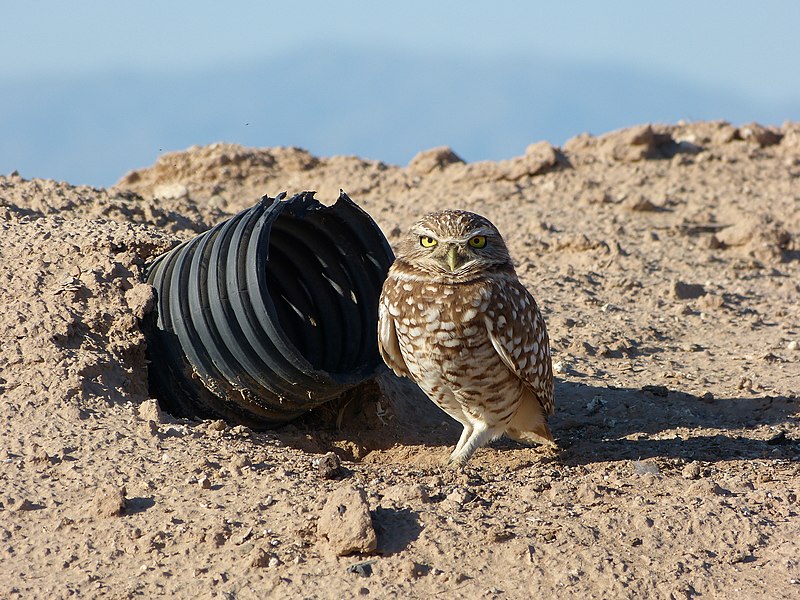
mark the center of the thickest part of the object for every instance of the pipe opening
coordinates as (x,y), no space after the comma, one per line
(270,313)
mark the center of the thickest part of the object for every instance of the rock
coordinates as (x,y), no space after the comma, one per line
(109,501)
(434,159)
(561,367)
(363,569)
(739,233)
(595,404)
(149,410)
(262,558)
(539,158)
(691,471)
(714,243)
(645,468)
(639,203)
(345,522)
(706,487)
(218,425)
(458,497)
(171,191)
(687,291)
(239,463)
(763,136)
(328,466)
(22,504)
(761,235)
(793,345)
(37,455)
(711,301)
(587,493)
(629,145)
(790,143)
(410,569)
(401,495)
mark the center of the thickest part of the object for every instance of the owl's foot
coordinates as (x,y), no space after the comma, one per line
(455,463)
(480,436)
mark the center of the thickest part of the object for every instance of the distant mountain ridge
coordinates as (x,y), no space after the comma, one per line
(376,104)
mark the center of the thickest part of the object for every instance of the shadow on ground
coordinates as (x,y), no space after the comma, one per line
(592,424)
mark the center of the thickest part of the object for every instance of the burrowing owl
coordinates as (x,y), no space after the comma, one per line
(455,318)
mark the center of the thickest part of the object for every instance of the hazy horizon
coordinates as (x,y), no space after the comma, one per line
(94,90)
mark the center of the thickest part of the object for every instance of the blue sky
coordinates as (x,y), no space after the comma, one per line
(751,47)
(90,89)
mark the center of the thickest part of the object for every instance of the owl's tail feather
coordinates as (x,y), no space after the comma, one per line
(529,423)
(539,436)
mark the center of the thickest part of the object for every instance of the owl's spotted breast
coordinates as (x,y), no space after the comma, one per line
(454,318)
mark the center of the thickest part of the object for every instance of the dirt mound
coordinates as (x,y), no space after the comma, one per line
(666,259)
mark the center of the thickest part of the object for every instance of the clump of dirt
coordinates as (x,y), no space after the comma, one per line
(666,260)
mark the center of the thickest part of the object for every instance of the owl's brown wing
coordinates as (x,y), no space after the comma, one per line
(388,345)
(518,333)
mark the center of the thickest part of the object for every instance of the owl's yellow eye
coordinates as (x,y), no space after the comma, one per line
(479,241)
(427,242)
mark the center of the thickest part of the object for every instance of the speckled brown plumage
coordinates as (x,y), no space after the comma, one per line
(455,318)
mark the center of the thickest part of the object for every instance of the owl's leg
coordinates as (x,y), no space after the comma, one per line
(465,433)
(481,435)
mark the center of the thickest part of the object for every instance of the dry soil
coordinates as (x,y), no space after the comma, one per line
(666,259)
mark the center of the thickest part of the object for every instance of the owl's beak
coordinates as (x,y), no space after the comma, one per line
(453,259)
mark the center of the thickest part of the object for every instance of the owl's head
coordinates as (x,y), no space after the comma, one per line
(455,245)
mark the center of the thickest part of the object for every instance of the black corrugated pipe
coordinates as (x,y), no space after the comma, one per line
(270,313)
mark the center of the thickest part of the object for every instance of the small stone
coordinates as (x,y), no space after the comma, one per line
(401,495)
(345,522)
(539,158)
(711,301)
(239,463)
(434,159)
(109,501)
(149,410)
(691,471)
(714,243)
(560,367)
(23,504)
(262,558)
(328,466)
(581,348)
(793,345)
(630,145)
(204,482)
(640,204)
(499,534)
(645,468)
(706,487)
(363,569)
(595,404)
(410,569)
(687,291)
(763,136)
(458,497)
(37,455)
(218,425)
(171,191)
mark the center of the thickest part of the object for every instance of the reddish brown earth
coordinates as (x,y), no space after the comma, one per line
(667,262)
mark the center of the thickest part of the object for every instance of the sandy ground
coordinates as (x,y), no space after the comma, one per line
(667,262)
